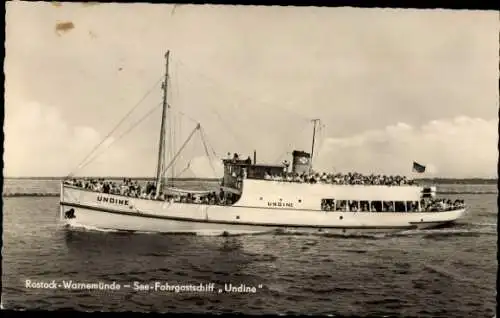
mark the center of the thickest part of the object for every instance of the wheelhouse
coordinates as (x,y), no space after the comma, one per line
(235,170)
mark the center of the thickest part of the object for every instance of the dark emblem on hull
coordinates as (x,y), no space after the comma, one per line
(70,214)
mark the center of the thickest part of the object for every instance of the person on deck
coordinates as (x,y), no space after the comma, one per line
(235,157)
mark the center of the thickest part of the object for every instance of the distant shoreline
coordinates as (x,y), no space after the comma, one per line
(433,180)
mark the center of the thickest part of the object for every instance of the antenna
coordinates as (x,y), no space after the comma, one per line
(315,122)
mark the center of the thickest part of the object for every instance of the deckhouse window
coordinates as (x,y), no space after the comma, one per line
(376,206)
(354,206)
(412,206)
(341,205)
(327,204)
(264,172)
(388,206)
(400,206)
(364,206)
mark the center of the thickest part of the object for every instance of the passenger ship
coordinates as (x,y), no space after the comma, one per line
(248,202)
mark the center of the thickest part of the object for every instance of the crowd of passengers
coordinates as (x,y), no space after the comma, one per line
(350,178)
(132,188)
(426,205)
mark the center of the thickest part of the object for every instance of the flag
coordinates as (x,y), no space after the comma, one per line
(418,167)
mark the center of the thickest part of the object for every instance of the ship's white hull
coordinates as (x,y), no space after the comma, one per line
(95,219)
(81,208)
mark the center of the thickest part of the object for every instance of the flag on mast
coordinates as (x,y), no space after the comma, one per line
(418,167)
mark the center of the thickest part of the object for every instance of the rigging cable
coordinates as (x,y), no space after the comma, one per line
(189,151)
(184,170)
(213,151)
(289,145)
(79,166)
(238,138)
(206,139)
(187,116)
(179,129)
(202,131)
(213,82)
(208,143)
(220,157)
(173,129)
(206,152)
(235,92)
(232,132)
(151,111)
(171,143)
(182,148)
(224,123)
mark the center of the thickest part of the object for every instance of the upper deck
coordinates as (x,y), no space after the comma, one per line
(236,170)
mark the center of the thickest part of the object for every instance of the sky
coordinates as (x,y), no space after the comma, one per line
(390,86)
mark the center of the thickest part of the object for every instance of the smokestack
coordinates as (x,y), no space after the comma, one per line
(301,162)
(254,157)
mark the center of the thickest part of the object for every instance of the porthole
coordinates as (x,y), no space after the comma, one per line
(300,201)
(237,217)
(341,217)
(260,198)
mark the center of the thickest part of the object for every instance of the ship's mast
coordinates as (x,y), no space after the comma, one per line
(160,173)
(315,121)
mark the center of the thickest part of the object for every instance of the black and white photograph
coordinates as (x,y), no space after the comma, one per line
(183,158)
